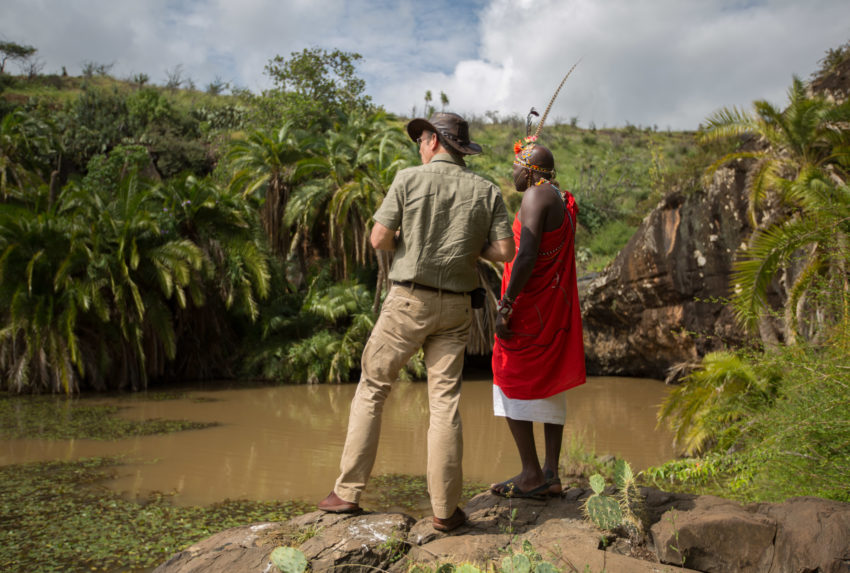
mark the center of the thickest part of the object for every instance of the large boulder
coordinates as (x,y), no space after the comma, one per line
(810,531)
(660,303)
(717,535)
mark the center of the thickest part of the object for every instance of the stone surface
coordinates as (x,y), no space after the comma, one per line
(375,540)
(658,304)
(716,539)
(236,549)
(812,534)
(714,534)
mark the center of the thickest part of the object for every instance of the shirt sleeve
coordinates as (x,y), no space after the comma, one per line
(500,228)
(389,213)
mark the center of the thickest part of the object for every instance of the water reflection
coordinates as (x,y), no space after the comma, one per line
(284,442)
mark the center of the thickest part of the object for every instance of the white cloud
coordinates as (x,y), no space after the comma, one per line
(662,62)
(668,63)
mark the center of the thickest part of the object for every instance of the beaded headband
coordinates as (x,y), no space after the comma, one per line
(523,158)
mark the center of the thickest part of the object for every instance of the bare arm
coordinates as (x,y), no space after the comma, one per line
(382,238)
(533,213)
(501,251)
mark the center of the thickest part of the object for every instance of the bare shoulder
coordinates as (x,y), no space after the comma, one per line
(541,196)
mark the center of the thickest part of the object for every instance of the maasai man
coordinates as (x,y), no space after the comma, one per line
(538,352)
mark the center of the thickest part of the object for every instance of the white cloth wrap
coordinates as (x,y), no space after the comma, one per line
(551,410)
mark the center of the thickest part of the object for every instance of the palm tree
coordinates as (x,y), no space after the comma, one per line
(224,227)
(263,165)
(92,286)
(39,346)
(347,174)
(802,161)
(142,265)
(705,408)
(235,272)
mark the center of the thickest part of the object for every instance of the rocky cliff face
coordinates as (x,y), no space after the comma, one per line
(660,303)
(659,307)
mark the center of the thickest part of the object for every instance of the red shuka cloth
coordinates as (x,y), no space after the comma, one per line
(545,356)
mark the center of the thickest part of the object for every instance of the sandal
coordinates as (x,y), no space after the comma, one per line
(554,483)
(509,489)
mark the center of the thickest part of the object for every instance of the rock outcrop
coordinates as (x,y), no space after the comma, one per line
(686,533)
(660,303)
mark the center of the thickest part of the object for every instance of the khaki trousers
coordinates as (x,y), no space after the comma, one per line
(412,318)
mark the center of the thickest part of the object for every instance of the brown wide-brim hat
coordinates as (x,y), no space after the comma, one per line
(452,128)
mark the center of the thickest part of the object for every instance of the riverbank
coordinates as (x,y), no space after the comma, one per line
(684,533)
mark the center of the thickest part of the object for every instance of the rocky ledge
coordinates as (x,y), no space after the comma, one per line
(685,533)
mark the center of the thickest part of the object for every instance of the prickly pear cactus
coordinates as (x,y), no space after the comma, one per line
(623,475)
(289,560)
(545,567)
(603,511)
(597,483)
(630,499)
(516,563)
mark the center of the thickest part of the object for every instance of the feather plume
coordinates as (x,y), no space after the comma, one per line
(555,95)
(528,121)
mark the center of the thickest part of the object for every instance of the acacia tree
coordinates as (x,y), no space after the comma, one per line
(10,51)
(803,164)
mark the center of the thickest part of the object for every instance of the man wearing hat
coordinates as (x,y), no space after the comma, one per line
(438,218)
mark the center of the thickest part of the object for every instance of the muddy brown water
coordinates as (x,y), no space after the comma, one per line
(284,442)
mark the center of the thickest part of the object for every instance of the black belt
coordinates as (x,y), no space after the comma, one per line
(413,285)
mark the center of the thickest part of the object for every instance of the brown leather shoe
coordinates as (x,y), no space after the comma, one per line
(457,519)
(335,504)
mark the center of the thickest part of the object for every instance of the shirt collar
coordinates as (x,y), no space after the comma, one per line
(447,158)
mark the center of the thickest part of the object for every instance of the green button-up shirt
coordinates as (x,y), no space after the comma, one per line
(447,214)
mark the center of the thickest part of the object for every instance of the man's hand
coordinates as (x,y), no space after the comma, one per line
(503,331)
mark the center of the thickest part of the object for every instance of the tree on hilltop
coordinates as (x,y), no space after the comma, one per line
(14,52)
(316,84)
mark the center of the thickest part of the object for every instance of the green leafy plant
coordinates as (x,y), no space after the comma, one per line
(675,545)
(528,560)
(705,407)
(394,547)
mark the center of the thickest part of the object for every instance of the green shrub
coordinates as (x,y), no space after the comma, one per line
(771,426)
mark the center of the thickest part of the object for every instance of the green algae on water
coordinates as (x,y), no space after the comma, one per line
(64,418)
(58,516)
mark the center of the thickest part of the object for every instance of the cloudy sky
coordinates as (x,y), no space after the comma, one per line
(667,63)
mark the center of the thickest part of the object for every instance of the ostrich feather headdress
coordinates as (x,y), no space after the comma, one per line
(523,147)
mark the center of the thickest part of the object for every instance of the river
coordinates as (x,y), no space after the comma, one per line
(284,442)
